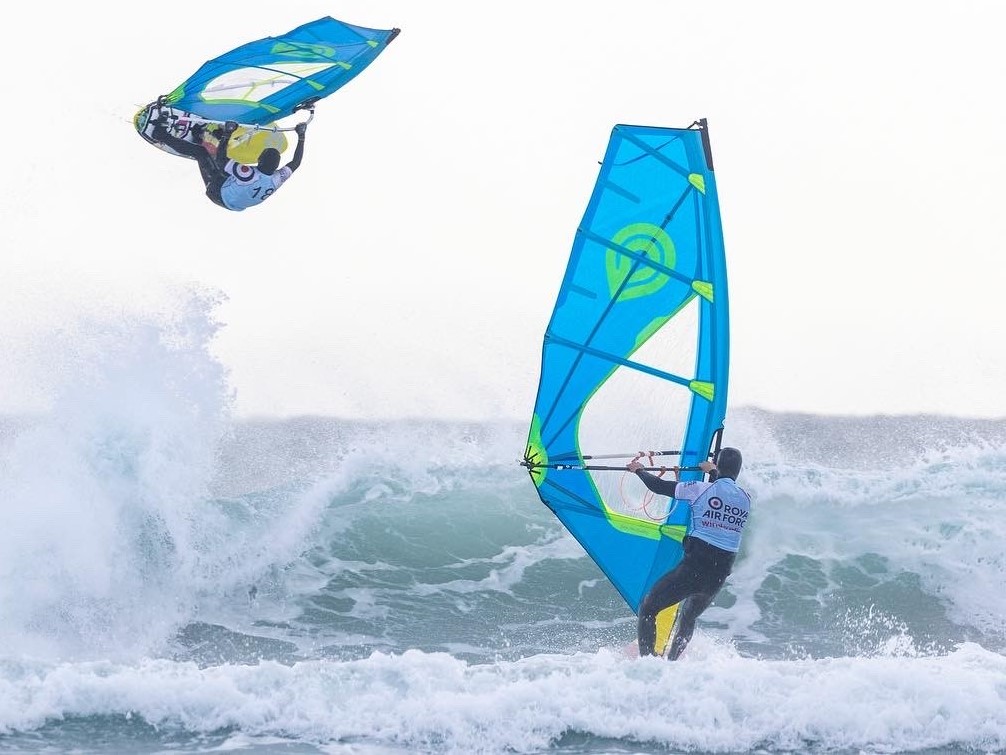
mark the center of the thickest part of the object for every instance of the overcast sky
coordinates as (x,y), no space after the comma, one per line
(411,265)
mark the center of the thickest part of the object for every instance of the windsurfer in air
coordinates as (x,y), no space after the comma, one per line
(719,512)
(230,184)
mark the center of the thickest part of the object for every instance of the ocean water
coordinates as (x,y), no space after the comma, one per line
(174,580)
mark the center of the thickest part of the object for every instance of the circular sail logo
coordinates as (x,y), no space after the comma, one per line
(629,275)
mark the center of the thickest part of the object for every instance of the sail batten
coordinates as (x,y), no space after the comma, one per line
(621,361)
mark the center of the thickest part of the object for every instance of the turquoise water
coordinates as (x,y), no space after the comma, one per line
(336,587)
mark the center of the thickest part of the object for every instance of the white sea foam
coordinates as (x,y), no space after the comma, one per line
(110,538)
(713,700)
(937,515)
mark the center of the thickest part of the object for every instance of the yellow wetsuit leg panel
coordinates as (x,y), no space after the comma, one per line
(665,628)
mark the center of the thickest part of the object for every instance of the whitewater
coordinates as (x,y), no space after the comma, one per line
(174,578)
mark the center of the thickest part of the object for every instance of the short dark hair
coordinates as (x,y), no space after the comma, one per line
(728,462)
(268,161)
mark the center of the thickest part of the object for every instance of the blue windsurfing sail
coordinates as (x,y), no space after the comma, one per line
(636,353)
(264,81)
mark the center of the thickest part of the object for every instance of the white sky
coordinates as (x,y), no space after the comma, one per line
(411,265)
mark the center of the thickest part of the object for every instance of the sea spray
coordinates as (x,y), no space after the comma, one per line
(99,495)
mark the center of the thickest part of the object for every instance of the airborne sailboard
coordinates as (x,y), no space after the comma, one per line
(635,356)
(262,82)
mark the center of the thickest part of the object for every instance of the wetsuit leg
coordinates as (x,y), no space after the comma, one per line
(696,580)
(688,614)
(673,587)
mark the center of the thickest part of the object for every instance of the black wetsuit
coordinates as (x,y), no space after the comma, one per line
(694,583)
(212,169)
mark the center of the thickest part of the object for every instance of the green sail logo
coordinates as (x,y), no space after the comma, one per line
(627,277)
(303,51)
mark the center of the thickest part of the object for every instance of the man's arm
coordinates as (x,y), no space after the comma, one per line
(657,484)
(666,487)
(654,483)
(225,136)
(298,153)
(162,135)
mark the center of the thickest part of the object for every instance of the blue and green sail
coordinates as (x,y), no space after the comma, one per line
(265,80)
(649,248)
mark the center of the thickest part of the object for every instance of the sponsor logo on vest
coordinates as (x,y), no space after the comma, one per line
(718,512)
(243,173)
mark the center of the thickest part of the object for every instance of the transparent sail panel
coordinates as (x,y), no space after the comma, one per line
(634,411)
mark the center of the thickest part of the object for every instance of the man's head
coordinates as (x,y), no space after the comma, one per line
(728,462)
(268,161)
